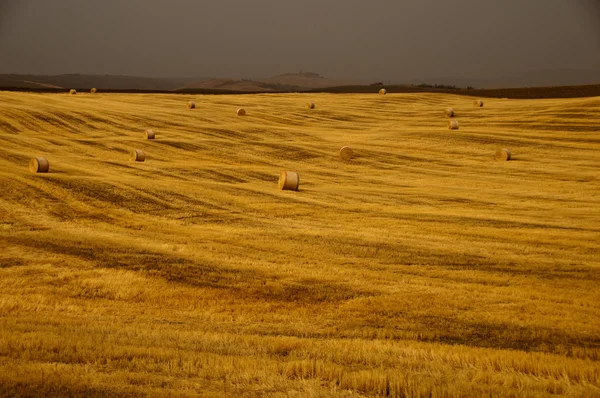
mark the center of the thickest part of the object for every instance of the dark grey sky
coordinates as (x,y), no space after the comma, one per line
(388,39)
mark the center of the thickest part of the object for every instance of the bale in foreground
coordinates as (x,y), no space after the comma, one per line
(39,165)
(502,154)
(478,103)
(241,112)
(138,155)
(311,105)
(449,112)
(191,105)
(346,153)
(289,181)
(453,124)
(150,134)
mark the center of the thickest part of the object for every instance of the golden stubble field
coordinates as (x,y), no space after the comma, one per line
(420,268)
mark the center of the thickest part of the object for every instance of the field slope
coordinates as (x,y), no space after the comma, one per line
(420,268)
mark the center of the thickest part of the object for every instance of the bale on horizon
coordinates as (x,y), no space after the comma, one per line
(478,103)
(150,134)
(383,91)
(346,153)
(191,105)
(39,165)
(502,155)
(138,155)
(93,91)
(241,112)
(453,124)
(289,181)
(72,91)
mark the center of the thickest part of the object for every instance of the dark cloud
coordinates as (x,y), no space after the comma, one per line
(387,39)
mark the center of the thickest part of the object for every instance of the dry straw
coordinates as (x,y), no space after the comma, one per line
(478,103)
(449,112)
(93,91)
(502,154)
(39,165)
(383,91)
(311,105)
(289,181)
(191,105)
(150,135)
(453,124)
(72,91)
(138,155)
(241,112)
(346,153)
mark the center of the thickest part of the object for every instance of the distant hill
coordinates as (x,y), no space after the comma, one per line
(538,78)
(22,82)
(227,84)
(287,82)
(101,82)
(243,85)
(309,81)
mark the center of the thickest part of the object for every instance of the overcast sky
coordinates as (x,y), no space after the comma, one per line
(387,39)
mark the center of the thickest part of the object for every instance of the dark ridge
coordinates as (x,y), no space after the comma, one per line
(511,93)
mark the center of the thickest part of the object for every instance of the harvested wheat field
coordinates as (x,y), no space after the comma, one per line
(421,267)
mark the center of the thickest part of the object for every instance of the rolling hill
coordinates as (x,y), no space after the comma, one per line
(420,268)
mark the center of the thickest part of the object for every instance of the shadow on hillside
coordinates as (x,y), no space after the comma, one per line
(243,284)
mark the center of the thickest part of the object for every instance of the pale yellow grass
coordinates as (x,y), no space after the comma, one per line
(421,267)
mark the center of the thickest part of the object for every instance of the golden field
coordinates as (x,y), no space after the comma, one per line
(420,268)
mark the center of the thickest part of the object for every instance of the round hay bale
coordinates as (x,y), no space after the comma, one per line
(39,165)
(453,124)
(241,112)
(346,153)
(191,105)
(138,155)
(93,91)
(150,135)
(383,91)
(72,91)
(311,105)
(289,181)
(478,103)
(502,154)
(449,112)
